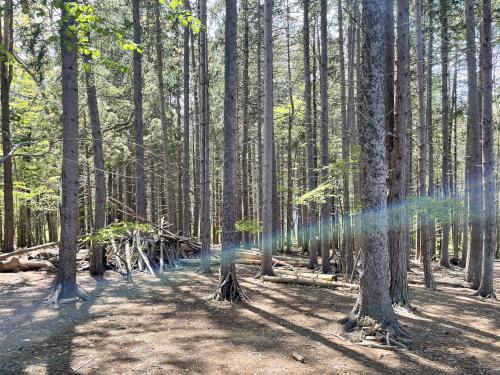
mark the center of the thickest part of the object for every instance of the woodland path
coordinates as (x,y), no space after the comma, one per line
(167,327)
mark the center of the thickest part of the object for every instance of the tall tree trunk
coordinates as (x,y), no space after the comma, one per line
(291,116)
(325,206)
(486,285)
(97,256)
(374,299)
(429,126)
(445,119)
(140,190)
(65,286)
(346,253)
(398,163)
(186,212)
(268,237)
(424,214)
(204,146)
(228,289)
(164,123)
(312,216)
(474,256)
(245,146)
(196,143)
(259,117)
(5,81)
(456,218)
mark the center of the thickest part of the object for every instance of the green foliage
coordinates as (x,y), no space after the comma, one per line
(250,226)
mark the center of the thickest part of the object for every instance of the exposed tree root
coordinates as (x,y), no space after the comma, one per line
(485,294)
(368,331)
(55,297)
(229,290)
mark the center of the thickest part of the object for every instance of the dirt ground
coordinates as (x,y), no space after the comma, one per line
(166,326)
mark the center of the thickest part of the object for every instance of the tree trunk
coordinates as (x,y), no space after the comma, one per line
(204,147)
(398,163)
(474,256)
(445,119)
(186,212)
(245,146)
(424,213)
(164,123)
(486,286)
(5,81)
(196,143)
(325,206)
(228,289)
(291,116)
(66,286)
(268,237)
(259,116)
(374,299)
(97,256)
(140,190)
(430,131)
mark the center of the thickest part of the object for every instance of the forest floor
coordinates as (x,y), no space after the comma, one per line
(166,326)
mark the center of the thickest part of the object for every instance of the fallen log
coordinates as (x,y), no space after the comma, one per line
(308,275)
(28,250)
(15,264)
(308,282)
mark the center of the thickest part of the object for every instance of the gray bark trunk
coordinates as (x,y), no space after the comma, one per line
(445,120)
(486,285)
(374,299)
(5,81)
(97,258)
(398,163)
(291,115)
(474,256)
(268,237)
(186,212)
(140,189)
(245,146)
(66,271)
(424,214)
(204,146)
(325,206)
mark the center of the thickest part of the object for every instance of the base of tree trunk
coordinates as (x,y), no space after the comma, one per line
(229,290)
(64,293)
(204,266)
(486,293)
(391,329)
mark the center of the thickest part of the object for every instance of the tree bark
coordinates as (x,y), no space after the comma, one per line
(5,81)
(445,120)
(291,116)
(97,255)
(474,256)
(228,289)
(65,286)
(164,123)
(268,237)
(245,105)
(424,214)
(398,163)
(374,299)
(346,253)
(140,188)
(204,146)
(186,212)
(325,206)
(486,286)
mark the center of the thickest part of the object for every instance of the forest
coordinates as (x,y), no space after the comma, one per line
(249,187)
